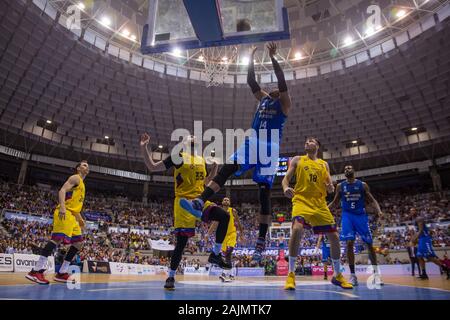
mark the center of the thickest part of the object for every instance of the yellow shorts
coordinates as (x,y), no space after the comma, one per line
(314,213)
(230,241)
(66,230)
(184,223)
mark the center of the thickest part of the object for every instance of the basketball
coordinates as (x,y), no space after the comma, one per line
(243,25)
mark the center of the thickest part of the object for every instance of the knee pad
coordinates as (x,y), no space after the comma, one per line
(227,171)
(264,199)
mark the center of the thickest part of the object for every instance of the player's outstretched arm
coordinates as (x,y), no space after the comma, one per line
(372,199)
(336,197)
(289,192)
(251,77)
(147,155)
(282,86)
(328,181)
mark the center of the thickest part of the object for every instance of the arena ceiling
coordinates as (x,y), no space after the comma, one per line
(321,30)
(61,96)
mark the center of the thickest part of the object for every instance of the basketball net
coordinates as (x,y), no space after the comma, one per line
(217,61)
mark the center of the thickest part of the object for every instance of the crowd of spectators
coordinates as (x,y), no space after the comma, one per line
(157,218)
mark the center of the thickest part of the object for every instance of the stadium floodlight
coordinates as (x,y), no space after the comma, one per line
(297,55)
(106,137)
(176,52)
(245,60)
(105,21)
(81,6)
(49,121)
(348,40)
(414,129)
(401,13)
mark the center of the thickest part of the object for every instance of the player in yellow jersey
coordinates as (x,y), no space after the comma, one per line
(190,178)
(67,226)
(310,210)
(231,237)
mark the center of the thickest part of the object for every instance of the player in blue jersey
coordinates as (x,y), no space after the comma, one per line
(424,243)
(352,194)
(322,242)
(268,123)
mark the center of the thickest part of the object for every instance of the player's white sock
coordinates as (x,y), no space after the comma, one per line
(65,267)
(41,264)
(336,266)
(292,263)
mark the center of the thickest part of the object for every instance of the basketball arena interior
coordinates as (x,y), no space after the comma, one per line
(81,82)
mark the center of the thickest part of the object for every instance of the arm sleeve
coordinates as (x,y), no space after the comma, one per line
(282,86)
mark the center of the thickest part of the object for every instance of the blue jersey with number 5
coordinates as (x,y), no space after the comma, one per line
(269,115)
(353,197)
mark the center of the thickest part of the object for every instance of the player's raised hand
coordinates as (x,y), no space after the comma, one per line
(289,193)
(252,50)
(272,47)
(145,139)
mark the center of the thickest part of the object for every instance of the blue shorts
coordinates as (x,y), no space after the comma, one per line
(425,248)
(247,156)
(352,224)
(326,254)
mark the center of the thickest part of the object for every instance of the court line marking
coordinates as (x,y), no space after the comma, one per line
(406,285)
(347,294)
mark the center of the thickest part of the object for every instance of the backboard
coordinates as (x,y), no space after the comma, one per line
(194,24)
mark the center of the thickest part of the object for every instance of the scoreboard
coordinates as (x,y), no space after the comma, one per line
(283,165)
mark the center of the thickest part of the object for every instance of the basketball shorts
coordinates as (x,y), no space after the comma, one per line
(184,223)
(313,213)
(230,241)
(248,157)
(352,224)
(66,230)
(425,248)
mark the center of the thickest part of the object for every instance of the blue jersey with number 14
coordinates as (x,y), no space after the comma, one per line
(353,197)
(269,115)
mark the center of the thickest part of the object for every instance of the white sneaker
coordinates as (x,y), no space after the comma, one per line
(353,280)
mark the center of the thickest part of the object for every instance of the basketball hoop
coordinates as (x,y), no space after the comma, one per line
(216,61)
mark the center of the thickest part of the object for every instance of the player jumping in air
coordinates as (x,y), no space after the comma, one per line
(268,124)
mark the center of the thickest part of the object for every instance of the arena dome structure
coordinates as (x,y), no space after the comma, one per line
(375,97)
